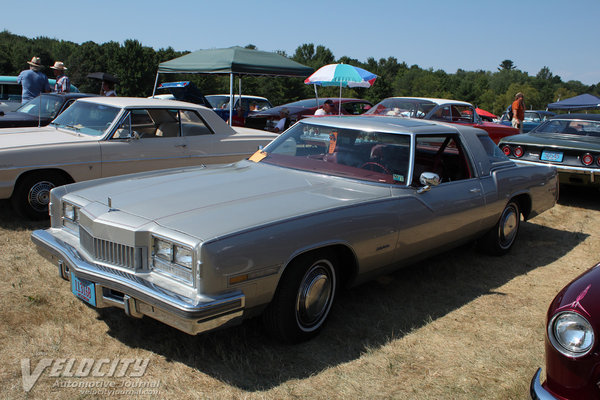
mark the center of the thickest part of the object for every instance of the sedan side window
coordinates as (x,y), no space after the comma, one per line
(443,155)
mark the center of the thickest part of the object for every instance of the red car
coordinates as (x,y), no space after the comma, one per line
(301,109)
(452,111)
(572,352)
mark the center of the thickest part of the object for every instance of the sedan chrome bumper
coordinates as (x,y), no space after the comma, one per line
(592,173)
(138,297)
(536,389)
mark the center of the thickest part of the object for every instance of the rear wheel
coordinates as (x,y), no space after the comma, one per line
(500,239)
(32,194)
(303,299)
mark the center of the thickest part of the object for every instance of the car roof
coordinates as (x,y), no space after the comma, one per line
(127,102)
(432,99)
(388,124)
(244,96)
(582,116)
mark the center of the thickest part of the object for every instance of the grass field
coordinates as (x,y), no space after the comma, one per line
(461,325)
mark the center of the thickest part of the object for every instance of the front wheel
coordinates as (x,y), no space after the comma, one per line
(32,194)
(499,240)
(303,299)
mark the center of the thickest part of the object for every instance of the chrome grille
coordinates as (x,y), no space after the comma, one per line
(110,252)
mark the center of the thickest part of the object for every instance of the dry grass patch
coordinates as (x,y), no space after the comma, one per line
(461,325)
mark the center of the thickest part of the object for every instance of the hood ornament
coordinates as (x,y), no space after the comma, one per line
(110,207)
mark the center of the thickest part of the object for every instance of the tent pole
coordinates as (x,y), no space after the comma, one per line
(230,97)
(155,83)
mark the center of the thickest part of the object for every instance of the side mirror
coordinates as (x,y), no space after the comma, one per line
(428,179)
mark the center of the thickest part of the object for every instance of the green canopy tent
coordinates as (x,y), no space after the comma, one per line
(233,61)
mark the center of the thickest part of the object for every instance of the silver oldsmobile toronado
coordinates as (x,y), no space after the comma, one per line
(330,203)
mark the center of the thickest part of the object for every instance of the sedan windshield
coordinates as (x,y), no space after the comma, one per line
(366,155)
(87,118)
(569,127)
(42,106)
(398,107)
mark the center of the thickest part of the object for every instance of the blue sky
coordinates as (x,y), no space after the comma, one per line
(447,35)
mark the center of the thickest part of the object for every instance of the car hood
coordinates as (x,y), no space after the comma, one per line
(48,135)
(556,140)
(209,202)
(18,116)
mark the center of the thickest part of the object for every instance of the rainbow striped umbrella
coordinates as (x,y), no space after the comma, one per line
(342,75)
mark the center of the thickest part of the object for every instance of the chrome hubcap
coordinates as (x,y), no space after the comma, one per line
(39,195)
(509,226)
(315,295)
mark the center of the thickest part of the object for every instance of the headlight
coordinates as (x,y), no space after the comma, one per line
(173,259)
(70,216)
(571,334)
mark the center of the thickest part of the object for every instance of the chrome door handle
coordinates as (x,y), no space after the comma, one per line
(475,190)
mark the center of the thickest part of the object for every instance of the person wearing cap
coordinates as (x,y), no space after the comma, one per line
(33,80)
(63,84)
(327,108)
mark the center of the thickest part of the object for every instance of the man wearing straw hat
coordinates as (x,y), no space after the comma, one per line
(63,84)
(34,81)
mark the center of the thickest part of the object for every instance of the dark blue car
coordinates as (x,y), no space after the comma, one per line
(532,119)
(39,111)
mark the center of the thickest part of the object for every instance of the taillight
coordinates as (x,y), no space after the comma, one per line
(587,159)
(598,160)
(518,152)
(506,149)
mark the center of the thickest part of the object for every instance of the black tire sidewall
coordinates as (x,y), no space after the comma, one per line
(280,317)
(20,196)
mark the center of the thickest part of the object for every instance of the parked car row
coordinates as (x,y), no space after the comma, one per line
(141,220)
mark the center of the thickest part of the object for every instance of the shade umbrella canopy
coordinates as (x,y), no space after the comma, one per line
(485,113)
(581,102)
(103,76)
(343,75)
(236,60)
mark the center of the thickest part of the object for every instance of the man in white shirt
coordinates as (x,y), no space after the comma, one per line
(327,108)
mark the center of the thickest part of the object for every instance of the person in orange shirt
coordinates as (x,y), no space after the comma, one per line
(518,109)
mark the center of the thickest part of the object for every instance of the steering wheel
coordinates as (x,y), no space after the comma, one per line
(374,166)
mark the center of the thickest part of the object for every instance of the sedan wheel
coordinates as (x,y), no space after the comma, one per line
(303,298)
(32,194)
(500,239)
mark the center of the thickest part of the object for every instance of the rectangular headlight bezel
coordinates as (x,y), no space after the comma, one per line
(173,259)
(70,216)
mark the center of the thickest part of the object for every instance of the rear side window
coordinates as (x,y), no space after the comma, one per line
(493,151)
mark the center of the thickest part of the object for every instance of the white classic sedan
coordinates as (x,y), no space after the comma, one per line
(107,136)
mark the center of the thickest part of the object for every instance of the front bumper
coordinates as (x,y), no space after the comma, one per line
(536,389)
(139,297)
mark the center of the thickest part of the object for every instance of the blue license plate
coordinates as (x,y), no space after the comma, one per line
(83,289)
(552,156)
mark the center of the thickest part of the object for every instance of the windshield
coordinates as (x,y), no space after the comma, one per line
(569,127)
(87,118)
(219,101)
(365,155)
(43,106)
(410,108)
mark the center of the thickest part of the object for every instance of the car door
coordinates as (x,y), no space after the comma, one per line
(145,139)
(436,216)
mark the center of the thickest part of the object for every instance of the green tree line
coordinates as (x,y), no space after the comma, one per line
(136,67)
